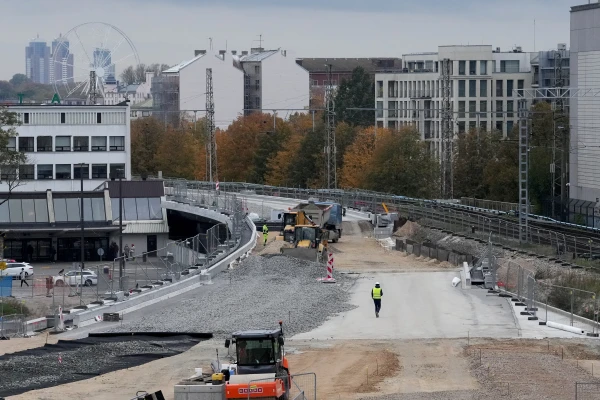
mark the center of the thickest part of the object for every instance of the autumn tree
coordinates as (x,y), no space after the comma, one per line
(358,157)
(358,91)
(402,164)
(146,138)
(180,155)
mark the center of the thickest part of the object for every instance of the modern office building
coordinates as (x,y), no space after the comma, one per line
(65,143)
(482,79)
(37,61)
(104,57)
(62,61)
(584,169)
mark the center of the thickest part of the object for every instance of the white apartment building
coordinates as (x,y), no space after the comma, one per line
(64,143)
(482,79)
(242,82)
(228,86)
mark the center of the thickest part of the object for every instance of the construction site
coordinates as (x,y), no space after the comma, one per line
(293,318)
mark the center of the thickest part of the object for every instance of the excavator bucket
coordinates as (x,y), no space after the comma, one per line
(307,254)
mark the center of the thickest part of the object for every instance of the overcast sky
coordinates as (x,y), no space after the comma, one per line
(168,31)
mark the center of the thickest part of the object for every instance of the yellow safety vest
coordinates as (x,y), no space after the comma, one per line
(376,293)
(265,229)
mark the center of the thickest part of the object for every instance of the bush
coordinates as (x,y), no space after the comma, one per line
(10,306)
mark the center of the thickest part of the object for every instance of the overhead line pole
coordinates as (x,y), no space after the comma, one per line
(211,153)
(330,147)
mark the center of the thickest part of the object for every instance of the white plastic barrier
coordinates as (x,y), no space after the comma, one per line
(567,328)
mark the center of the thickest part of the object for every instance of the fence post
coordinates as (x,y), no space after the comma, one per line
(572,303)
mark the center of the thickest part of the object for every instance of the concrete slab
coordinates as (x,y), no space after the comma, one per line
(425,305)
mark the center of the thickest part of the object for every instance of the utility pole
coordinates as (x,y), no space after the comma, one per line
(560,143)
(211,153)
(93,87)
(330,148)
(523,170)
(447,130)
(82,243)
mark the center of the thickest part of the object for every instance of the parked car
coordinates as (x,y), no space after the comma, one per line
(14,269)
(74,278)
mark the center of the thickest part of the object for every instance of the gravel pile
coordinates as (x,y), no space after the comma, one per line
(39,368)
(255,295)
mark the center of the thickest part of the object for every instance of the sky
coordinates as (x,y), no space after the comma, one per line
(168,31)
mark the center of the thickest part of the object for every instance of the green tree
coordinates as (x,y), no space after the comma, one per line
(146,138)
(308,164)
(501,172)
(358,91)
(19,79)
(472,152)
(540,155)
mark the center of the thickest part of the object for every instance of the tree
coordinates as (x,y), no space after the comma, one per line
(358,91)
(402,164)
(358,157)
(19,79)
(128,75)
(540,156)
(180,155)
(140,73)
(472,152)
(10,160)
(501,172)
(146,138)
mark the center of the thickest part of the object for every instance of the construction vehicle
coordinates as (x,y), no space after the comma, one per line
(261,371)
(326,215)
(310,243)
(290,220)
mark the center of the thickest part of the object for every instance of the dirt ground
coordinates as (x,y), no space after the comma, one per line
(20,344)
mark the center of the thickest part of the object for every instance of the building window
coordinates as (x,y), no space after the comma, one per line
(63,118)
(44,143)
(81,171)
(392,88)
(483,67)
(26,172)
(392,125)
(521,84)
(472,67)
(499,84)
(11,145)
(462,66)
(509,66)
(510,108)
(483,109)
(461,88)
(461,109)
(461,126)
(247,80)
(81,143)
(63,143)
(63,171)
(509,87)
(25,118)
(472,125)
(117,143)
(257,84)
(472,88)
(379,88)
(99,171)
(379,112)
(98,118)
(472,109)
(483,88)
(8,173)
(499,110)
(499,126)
(392,109)
(509,127)
(44,171)
(483,125)
(26,144)
(98,143)
(257,69)
(257,102)
(117,170)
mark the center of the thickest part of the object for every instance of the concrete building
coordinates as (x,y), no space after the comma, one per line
(37,61)
(115,93)
(58,138)
(545,69)
(584,169)
(62,61)
(248,81)
(482,79)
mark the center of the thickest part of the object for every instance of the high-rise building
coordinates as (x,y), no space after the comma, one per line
(62,61)
(37,61)
(103,58)
(584,169)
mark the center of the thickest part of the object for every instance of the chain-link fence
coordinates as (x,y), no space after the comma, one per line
(298,387)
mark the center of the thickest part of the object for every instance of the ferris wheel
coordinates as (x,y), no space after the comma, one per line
(88,58)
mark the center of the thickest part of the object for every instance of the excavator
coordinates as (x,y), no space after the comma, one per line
(310,243)
(290,220)
(260,357)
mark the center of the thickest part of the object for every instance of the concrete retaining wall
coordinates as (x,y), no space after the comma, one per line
(431,251)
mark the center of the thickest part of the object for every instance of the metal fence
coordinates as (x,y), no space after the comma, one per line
(587,391)
(12,325)
(298,386)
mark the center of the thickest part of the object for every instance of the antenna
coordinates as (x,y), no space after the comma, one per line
(210,40)
(534,35)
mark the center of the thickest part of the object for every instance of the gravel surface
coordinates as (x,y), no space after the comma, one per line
(39,368)
(257,294)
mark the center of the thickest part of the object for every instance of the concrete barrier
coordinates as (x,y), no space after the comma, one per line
(417,249)
(442,255)
(409,248)
(425,251)
(467,274)
(35,325)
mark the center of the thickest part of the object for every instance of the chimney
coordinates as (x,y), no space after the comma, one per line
(244,52)
(198,52)
(284,53)
(497,49)
(234,52)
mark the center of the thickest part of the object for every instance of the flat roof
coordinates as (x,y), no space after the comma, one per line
(585,7)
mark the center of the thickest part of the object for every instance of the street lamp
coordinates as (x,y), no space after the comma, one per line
(119,174)
(82,243)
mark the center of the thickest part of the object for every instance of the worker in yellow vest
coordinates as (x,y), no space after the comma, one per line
(265,234)
(376,294)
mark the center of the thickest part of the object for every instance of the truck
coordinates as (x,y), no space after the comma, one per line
(325,215)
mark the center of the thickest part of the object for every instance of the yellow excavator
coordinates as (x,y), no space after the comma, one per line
(310,243)
(290,220)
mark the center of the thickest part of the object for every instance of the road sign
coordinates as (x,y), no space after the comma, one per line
(100,251)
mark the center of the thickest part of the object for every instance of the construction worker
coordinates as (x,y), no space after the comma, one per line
(265,234)
(376,294)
